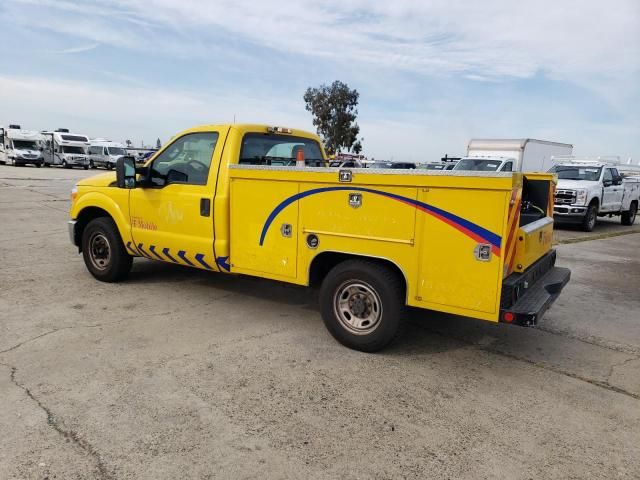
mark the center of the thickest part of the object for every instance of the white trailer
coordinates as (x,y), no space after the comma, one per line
(525,154)
(66,149)
(20,147)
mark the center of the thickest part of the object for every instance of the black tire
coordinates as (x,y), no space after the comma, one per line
(364,288)
(86,167)
(38,165)
(101,239)
(92,165)
(590,218)
(65,164)
(629,217)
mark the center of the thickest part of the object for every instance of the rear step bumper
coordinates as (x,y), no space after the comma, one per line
(531,306)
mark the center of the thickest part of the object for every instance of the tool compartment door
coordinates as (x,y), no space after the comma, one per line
(273,254)
(457,222)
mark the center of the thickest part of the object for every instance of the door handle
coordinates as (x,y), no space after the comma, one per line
(205,207)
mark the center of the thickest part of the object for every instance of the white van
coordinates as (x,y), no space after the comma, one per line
(104,153)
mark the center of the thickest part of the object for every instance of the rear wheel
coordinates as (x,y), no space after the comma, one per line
(362,303)
(589,220)
(629,217)
(104,252)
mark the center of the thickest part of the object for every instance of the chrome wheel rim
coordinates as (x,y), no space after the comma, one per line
(99,251)
(358,307)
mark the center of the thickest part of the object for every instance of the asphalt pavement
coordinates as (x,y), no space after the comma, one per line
(180,373)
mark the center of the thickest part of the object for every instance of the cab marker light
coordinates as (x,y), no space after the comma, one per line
(279,130)
(74,193)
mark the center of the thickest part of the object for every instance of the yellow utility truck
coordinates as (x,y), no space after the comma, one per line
(261,201)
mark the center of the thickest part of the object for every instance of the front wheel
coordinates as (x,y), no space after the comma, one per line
(629,217)
(86,167)
(104,252)
(589,220)
(38,165)
(65,164)
(362,303)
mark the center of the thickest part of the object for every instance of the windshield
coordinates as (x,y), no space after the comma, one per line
(280,150)
(478,165)
(117,151)
(72,149)
(577,172)
(435,166)
(24,145)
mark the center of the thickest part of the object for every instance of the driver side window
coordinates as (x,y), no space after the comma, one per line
(186,161)
(607,175)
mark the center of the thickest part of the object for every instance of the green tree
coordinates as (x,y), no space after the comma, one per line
(334,110)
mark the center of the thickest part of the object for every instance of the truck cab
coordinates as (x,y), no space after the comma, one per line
(485,164)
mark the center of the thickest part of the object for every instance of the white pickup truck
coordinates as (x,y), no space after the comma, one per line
(587,190)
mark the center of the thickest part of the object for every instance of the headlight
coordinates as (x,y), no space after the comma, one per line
(581,197)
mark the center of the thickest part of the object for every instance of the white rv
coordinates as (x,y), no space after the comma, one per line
(65,149)
(517,155)
(105,153)
(20,147)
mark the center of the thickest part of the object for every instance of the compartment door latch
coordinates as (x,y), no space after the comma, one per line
(482,252)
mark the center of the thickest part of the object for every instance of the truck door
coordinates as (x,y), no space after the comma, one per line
(172,216)
(612,194)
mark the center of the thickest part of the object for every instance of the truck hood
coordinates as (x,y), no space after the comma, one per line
(576,184)
(100,180)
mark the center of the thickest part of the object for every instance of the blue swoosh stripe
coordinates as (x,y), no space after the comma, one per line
(489,236)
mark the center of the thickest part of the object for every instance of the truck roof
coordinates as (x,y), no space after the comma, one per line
(509,144)
(255,128)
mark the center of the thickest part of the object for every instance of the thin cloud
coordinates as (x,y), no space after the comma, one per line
(79,49)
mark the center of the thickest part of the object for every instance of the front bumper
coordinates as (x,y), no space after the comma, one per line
(527,296)
(71,225)
(569,213)
(28,161)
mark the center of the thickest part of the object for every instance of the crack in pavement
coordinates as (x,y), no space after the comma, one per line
(55,330)
(598,383)
(620,364)
(595,341)
(70,435)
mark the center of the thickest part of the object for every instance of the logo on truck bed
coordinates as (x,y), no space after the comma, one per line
(470,229)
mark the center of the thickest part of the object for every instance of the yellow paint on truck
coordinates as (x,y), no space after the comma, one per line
(232,199)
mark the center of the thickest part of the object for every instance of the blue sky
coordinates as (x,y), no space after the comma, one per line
(431,75)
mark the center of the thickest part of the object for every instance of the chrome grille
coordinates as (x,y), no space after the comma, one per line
(565,197)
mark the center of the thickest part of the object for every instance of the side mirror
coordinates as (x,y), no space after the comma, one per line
(607,183)
(126,172)
(617,180)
